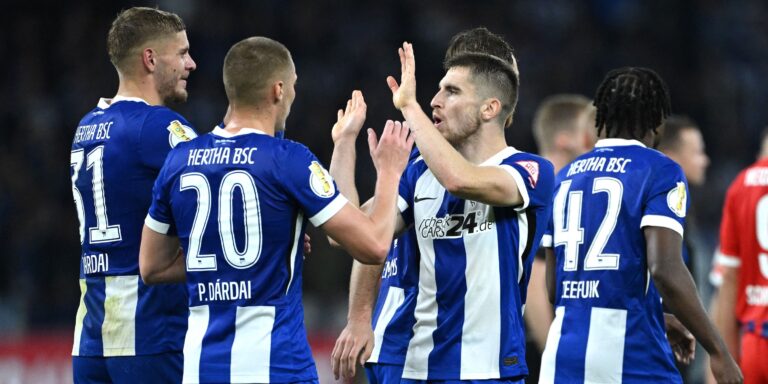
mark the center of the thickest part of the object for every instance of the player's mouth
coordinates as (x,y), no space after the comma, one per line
(437,121)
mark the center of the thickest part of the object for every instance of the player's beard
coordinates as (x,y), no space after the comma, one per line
(461,130)
(168,89)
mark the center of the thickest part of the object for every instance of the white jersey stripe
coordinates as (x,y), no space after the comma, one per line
(522,242)
(607,328)
(118,332)
(81,311)
(421,344)
(297,239)
(482,302)
(193,342)
(395,298)
(252,347)
(548,358)
(329,211)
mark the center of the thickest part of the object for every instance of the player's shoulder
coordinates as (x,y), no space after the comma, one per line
(523,158)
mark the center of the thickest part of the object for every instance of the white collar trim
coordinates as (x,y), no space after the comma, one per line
(617,143)
(218,131)
(105,103)
(501,155)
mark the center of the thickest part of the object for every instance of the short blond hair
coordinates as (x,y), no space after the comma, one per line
(556,114)
(250,66)
(134,27)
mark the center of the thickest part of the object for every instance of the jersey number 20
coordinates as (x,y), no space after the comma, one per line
(251,251)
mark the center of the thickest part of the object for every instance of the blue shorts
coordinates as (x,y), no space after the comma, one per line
(383,373)
(159,368)
(392,374)
(489,381)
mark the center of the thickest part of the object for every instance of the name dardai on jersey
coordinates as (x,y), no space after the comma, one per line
(122,139)
(239,205)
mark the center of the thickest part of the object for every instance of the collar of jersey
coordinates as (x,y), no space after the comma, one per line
(218,131)
(617,143)
(105,103)
(501,155)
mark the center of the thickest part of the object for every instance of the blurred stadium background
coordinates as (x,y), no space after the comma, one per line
(54,67)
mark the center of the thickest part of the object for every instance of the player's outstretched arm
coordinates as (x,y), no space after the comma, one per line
(368,237)
(489,185)
(160,258)
(724,308)
(676,287)
(344,133)
(355,342)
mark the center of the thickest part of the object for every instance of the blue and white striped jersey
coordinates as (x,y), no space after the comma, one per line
(475,262)
(239,205)
(609,324)
(117,152)
(393,317)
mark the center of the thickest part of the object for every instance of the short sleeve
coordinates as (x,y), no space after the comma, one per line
(534,177)
(161,131)
(405,193)
(160,216)
(667,200)
(547,240)
(309,183)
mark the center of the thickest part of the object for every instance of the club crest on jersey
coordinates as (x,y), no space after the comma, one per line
(321,181)
(179,133)
(532,168)
(677,199)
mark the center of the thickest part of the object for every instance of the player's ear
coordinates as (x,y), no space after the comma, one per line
(277,91)
(490,109)
(149,59)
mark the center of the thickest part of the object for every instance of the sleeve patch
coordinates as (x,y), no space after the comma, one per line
(677,199)
(321,181)
(532,168)
(179,133)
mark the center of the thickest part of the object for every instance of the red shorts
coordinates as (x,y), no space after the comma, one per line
(754,351)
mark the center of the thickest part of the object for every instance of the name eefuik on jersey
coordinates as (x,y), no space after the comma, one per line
(608,318)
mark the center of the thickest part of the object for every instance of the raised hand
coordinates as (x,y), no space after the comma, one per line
(392,151)
(404,93)
(350,120)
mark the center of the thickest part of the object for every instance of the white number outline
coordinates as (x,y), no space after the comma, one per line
(237,259)
(102,232)
(571,234)
(251,211)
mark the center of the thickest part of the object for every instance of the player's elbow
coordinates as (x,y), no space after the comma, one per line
(333,242)
(150,274)
(375,254)
(455,185)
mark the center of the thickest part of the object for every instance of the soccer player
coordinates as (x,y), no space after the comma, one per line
(238,200)
(742,264)
(616,232)
(563,130)
(479,208)
(390,313)
(127,332)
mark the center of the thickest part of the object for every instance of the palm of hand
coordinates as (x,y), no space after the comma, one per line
(350,120)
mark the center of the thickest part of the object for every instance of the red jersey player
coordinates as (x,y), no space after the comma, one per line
(741,266)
